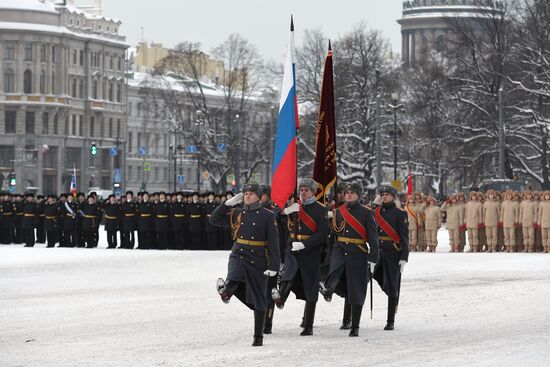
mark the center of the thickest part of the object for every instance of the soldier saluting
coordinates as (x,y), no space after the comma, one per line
(255,253)
(301,273)
(351,256)
(393,236)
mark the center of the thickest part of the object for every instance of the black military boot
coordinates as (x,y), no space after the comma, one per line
(356,311)
(309,317)
(268,320)
(392,307)
(303,318)
(259,319)
(346,319)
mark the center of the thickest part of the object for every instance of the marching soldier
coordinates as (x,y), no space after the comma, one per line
(474,218)
(432,214)
(70,223)
(80,201)
(420,206)
(414,222)
(8,211)
(111,212)
(128,222)
(194,217)
(18,204)
(394,250)
(301,272)
(145,222)
(91,216)
(51,218)
(254,256)
(355,251)
(179,222)
(162,222)
(28,222)
(61,219)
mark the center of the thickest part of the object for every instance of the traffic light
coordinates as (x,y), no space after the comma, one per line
(93,149)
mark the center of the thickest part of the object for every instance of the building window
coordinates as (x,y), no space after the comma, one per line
(11,120)
(42,82)
(111,91)
(81,58)
(7,155)
(118,92)
(118,128)
(81,126)
(110,128)
(45,123)
(55,123)
(27,82)
(49,160)
(74,57)
(53,83)
(73,130)
(102,128)
(129,109)
(73,89)
(28,51)
(53,54)
(29,122)
(94,89)
(440,43)
(130,142)
(119,63)
(81,88)
(67,125)
(92,123)
(9,81)
(9,51)
(43,53)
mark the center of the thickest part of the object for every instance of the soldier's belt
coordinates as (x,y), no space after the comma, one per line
(18,213)
(29,215)
(89,216)
(250,242)
(7,213)
(129,215)
(109,217)
(145,215)
(42,215)
(396,246)
(385,238)
(195,215)
(162,216)
(300,236)
(357,241)
(50,218)
(179,215)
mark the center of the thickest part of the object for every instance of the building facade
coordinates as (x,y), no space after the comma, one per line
(62,91)
(425,24)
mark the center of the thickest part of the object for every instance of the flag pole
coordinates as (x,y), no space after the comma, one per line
(295,222)
(335,192)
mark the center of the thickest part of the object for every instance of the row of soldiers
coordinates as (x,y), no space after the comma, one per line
(492,221)
(306,248)
(162,221)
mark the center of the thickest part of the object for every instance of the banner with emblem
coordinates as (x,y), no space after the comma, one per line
(324,167)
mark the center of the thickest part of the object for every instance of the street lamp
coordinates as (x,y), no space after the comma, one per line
(392,108)
(237,152)
(199,123)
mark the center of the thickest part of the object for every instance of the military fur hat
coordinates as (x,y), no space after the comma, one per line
(390,190)
(308,182)
(252,187)
(354,187)
(265,189)
(129,192)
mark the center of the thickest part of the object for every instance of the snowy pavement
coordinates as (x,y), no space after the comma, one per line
(99,307)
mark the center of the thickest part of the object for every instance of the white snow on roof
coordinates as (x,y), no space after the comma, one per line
(138,79)
(56,29)
(30,5)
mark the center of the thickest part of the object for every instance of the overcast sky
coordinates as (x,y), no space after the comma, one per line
(265,23)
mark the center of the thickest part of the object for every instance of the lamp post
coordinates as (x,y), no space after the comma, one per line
(237,152)
(199,123)
(393,107)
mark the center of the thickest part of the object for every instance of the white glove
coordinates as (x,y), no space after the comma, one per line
(330,214)
(235,200)
(372,265)
(297,246)
(402,266)
(291,209)
(270,273)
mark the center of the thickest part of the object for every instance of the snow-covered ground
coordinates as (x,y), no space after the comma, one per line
(99,307)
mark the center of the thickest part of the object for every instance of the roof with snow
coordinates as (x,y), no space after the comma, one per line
(43,6)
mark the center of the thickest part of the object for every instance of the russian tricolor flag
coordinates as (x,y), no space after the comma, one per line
(284,160)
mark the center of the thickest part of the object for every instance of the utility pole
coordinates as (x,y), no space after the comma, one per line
(501,133)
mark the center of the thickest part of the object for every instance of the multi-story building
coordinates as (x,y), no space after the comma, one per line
(425,24)
(62,89)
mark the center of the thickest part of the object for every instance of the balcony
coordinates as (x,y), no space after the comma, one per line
(32,98)
(412,4)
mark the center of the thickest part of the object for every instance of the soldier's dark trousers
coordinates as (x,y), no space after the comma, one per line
(79,238)
(144,241)
(162,240)
(127,240)
(96,237)
(268,325)
(346,318)
(356,311)
(196,241)
(89,238)
(28,235)
(111,239)
(69,239)
(7,235)
(179,240)
(392,306)
(40,232)
(51,238)
(18,238)
(309,317)
(211,238)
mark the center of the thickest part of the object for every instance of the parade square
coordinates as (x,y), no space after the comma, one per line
(103,307)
